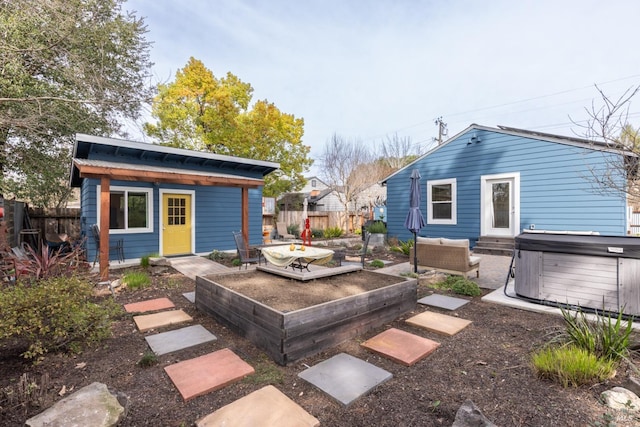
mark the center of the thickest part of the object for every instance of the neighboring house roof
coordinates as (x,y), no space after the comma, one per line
(567,140)
(193,161)
(309,178)
(314,198)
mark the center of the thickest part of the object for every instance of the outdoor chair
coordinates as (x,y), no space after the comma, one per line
(362,253)
(116,246)
(55,244)
(247,255)
(281,228)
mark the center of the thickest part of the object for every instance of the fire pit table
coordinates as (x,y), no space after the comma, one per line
(283,256)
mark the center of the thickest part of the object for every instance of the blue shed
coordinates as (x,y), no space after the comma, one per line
(496,182)
(165,200)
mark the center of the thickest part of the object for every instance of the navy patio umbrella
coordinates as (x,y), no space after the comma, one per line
(414,221)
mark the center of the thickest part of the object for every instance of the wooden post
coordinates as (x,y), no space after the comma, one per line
(105,182)
(245,216)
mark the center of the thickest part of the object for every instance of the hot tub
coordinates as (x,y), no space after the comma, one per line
(589,271)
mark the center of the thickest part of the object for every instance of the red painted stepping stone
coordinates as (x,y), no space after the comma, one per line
(207,373)
(149,305)
(401,346)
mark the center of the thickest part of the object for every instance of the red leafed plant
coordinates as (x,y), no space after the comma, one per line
(45,263)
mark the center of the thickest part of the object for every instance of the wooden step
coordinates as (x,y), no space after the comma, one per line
(489,245)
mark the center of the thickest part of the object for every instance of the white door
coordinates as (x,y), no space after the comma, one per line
(500,205)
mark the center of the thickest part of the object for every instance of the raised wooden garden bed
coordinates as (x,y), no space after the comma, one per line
(289,336)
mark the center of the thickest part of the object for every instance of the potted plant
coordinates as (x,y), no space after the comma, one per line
(378,231)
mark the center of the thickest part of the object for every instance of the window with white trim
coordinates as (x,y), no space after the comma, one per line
(441,202)
(130,209)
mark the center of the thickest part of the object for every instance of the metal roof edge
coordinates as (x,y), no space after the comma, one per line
(560,139)
(116,142)
(467,129)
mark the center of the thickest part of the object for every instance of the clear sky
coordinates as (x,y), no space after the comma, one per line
(369,69)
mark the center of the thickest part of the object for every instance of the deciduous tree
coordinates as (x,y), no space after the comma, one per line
(200,111)
(397,152)
(66,66)
(349,167)
(609,128)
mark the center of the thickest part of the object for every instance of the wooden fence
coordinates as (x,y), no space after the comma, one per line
(40,223)
(322,220)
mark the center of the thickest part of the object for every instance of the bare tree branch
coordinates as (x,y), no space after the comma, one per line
(610,132)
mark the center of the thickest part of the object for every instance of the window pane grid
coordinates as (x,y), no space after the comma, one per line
(128,210)
(441,195)
(176,215)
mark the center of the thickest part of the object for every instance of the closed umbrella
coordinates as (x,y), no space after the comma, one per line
(414,221)
(305,205)
(305,234)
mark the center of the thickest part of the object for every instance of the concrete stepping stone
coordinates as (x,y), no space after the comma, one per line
(158,320)
(400,346)
(149,305)
(207,373)
(167,342)
(345,378)
(439,323)
(267,407)
(443,301)
(191,296)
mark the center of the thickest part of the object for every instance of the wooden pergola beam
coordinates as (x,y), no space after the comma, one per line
(105,202)
(127,174)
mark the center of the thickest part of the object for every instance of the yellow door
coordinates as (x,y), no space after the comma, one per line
(176,224)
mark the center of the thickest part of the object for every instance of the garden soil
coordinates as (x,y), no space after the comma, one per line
(487,362)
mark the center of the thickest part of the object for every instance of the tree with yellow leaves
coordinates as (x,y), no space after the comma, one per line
(201,112)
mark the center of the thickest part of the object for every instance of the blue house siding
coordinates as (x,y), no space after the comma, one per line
(555,192)
(217,214)
(215,183)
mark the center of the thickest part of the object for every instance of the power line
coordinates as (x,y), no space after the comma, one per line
(506,104)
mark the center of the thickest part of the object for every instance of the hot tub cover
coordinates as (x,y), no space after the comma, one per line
(607,246)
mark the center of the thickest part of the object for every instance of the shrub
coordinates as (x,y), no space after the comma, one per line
(144,261)
(404,247)
(571,365)
(602,337)
(376,263)
(332,232)
(236,262)
(294,229)
(466,287)
(47,263)
(216,255)
(136,280)
(317,233)
(56,313)
(459,285)
(147,360)
(377,227)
